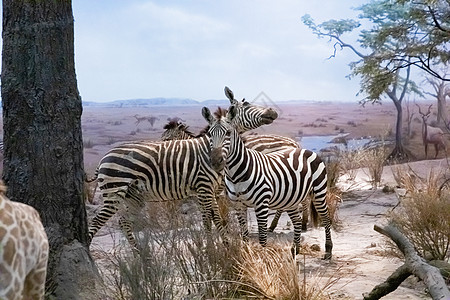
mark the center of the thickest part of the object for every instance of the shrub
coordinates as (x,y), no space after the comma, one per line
(350,161)
(88,144)
(424,214)
(176,258)
(375,159)
(425,220)
(273,273)
(179,260)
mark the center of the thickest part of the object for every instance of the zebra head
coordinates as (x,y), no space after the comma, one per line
(175,130)
(218,132)
(249,116)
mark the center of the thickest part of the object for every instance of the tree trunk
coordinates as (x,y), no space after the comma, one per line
(442,117)
(399,153)
(43,147)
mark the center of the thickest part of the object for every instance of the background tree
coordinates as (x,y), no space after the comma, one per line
(43,157)
(441,92)
(428,36)
(387,50)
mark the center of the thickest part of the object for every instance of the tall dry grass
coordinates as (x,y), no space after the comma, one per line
(273,273)
(424,214)
(374,160)
(178,259)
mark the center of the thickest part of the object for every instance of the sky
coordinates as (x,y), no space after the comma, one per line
(193,49)
(133,49)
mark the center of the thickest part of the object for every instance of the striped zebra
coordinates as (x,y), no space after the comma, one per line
(168,171)
(265,143)
(278,180)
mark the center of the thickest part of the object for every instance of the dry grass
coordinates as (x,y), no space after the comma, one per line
(178,259)
(412,182)
(375,159)
(334,200)
(273,273)
(350,162)
(424,214)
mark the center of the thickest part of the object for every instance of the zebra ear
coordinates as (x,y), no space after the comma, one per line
(230,95)
(232,112)
(206,113)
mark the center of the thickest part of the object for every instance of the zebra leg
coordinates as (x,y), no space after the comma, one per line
(241,213)
(262,214)
(296,219)
(305,214)
(275,220)
(110,207)
(210,211)
(125,225)
(206,211)
(320,208)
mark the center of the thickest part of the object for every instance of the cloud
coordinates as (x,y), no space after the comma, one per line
(192,49)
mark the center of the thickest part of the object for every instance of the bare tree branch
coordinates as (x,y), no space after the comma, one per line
(414,264)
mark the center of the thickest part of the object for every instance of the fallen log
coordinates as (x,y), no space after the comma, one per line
(414,265)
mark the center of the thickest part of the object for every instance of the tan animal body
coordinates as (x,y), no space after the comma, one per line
(431,135)
(23,251)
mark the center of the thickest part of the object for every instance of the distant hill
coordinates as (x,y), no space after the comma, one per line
(155,102)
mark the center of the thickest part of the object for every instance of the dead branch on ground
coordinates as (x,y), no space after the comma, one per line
(414,265)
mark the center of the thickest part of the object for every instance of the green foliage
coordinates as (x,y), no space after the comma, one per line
(331,27)
(402,34)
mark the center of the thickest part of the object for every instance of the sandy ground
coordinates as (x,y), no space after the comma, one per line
(358,258)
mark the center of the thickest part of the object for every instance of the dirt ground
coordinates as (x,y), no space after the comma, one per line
(358,259)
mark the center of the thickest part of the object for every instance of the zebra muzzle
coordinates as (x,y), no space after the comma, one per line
(217,159)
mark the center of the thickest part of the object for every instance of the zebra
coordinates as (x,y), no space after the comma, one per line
(175,130)
(264,143)
(278,180)
(168,171)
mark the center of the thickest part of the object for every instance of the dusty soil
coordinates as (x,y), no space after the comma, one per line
(358,253)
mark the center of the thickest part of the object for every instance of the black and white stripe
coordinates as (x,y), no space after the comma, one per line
(264,143)
(168,171)
(280,180)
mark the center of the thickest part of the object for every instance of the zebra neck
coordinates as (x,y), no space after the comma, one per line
(238,156)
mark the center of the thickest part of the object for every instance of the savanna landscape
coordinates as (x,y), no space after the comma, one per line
(56,53)
(362,257)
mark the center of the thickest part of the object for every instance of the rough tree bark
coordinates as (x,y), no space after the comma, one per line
(43,157)
(414,265)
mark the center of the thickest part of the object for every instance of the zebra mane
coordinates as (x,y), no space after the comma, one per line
(176,124)
(220,112)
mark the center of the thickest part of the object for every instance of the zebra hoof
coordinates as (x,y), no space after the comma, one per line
(327,256)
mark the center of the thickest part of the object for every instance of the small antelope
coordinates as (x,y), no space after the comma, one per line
(430,134)
(139,119)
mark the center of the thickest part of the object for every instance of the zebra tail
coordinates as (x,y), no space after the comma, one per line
(314,215)
(93,178)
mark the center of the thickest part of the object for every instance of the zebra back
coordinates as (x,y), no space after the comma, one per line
(265,143)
